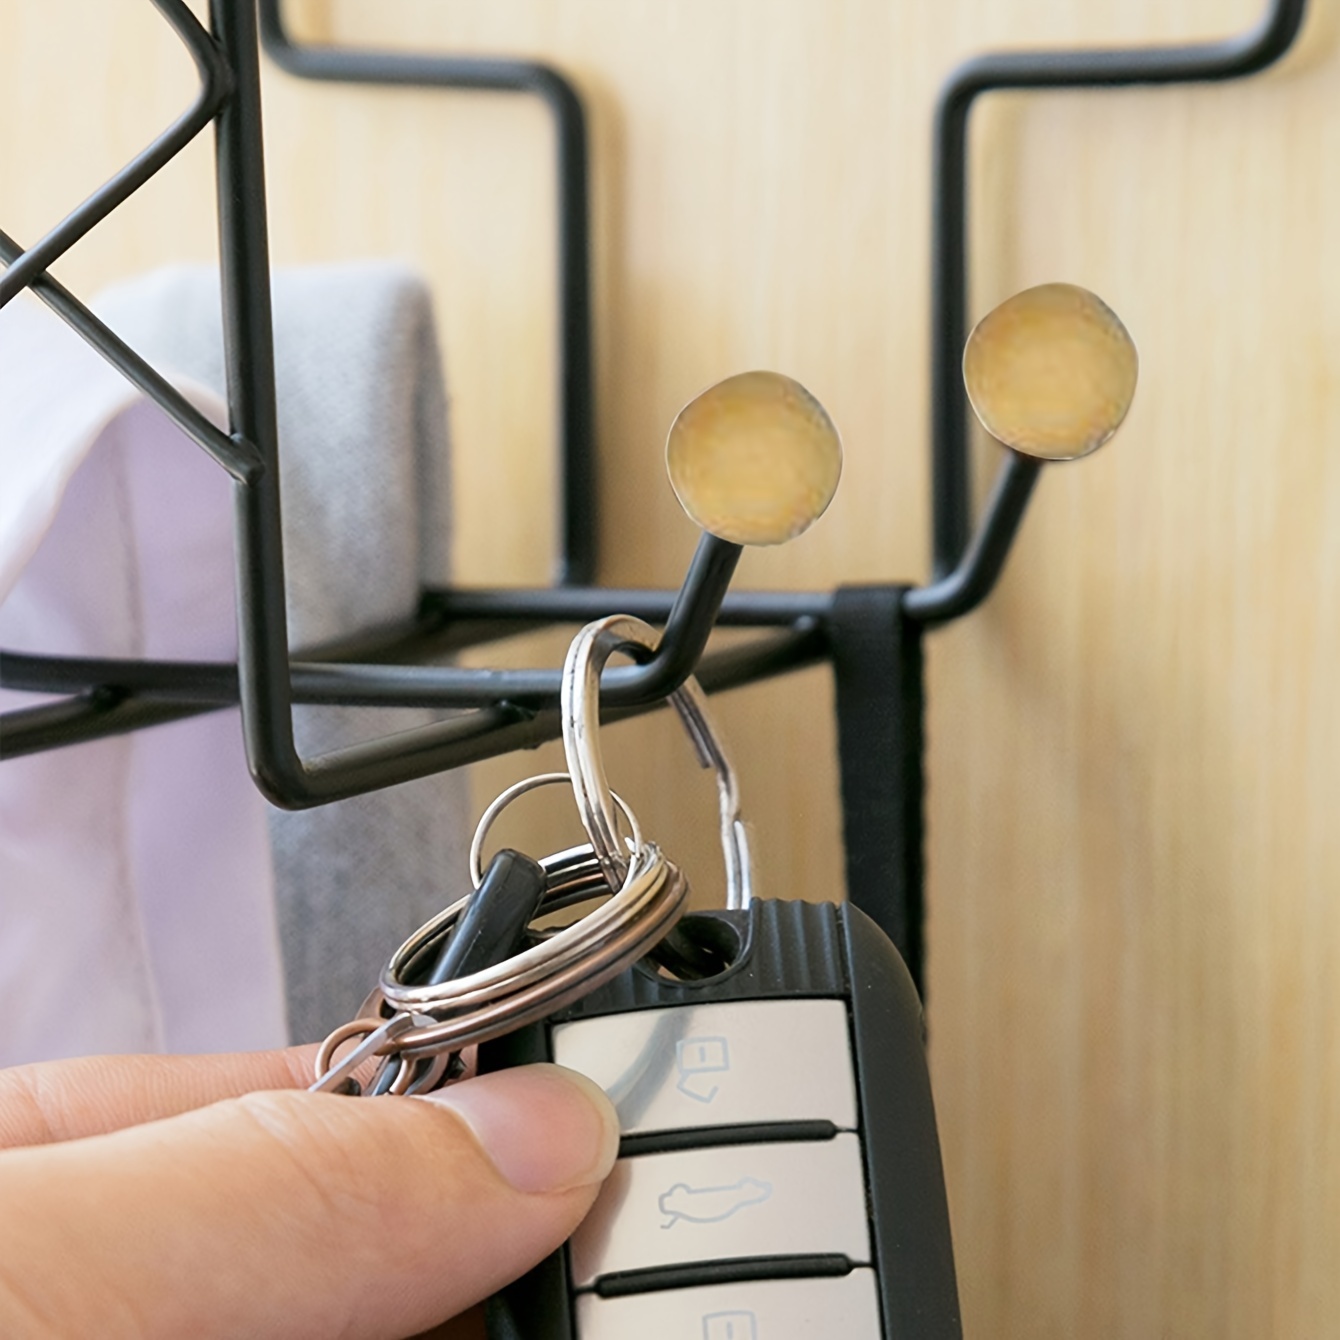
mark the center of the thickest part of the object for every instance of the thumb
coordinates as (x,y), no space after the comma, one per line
(292,1214)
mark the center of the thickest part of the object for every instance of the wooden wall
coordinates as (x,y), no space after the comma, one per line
(1134,750)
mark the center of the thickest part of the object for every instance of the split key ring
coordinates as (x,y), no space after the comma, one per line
(596,804)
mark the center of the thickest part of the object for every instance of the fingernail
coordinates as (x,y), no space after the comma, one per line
(545,1128)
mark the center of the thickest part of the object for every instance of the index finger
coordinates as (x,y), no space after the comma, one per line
(51,1101)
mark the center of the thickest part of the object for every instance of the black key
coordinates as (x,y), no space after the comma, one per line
(493,925)
(492,928)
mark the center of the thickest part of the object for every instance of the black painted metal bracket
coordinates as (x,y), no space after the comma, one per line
(510,709)
(578,534)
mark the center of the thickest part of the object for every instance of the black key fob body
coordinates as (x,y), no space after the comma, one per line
(779,1174)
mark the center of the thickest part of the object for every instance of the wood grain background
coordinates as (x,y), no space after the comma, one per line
(1134,749)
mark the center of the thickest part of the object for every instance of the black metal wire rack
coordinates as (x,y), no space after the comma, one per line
(871,634)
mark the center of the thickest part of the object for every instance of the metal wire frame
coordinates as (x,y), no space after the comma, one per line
(513,709)
(25,268)
(216,86)
(576,435)
(114,700)
(1233,58)
(149,693)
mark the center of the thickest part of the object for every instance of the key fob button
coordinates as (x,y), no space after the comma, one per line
(809,1309)
(794,1199)
(728,1064)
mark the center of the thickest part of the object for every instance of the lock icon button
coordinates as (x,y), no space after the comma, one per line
(730,1326)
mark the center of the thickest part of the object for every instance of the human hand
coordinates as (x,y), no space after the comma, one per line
(207,1196)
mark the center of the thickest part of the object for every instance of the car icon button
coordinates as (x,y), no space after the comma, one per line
(711,1204)
(748,1200)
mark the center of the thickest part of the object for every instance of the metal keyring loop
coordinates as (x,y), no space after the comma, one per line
(518,789)
(531,985)
(325,1054)
(525,987)
(581,974)
(486,983)
(331,1074)
(580,704)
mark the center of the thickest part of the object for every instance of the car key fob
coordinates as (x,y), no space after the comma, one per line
(779,1174)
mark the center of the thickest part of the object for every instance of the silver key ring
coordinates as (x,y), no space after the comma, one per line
(580,703)
(639,889)
(525,988)
(486,820)
(627,905)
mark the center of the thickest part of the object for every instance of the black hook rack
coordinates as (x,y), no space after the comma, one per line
(872,635)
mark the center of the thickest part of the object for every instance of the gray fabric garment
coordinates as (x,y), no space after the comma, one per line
(363,476)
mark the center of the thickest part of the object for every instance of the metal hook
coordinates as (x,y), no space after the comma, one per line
(589,651)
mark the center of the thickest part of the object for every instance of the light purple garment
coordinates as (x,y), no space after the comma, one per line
(137,908)
(137,867)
